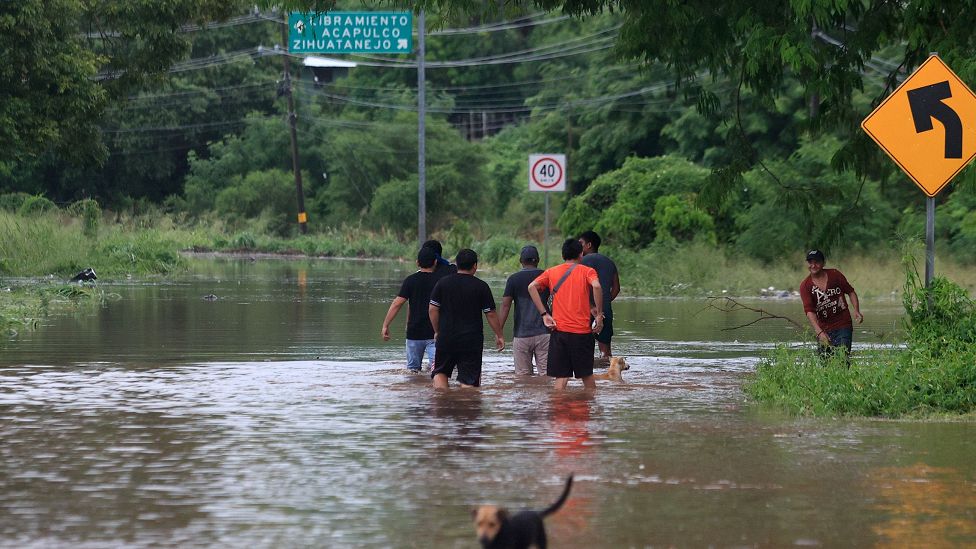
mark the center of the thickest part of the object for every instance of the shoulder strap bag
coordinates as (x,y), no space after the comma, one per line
(555,288)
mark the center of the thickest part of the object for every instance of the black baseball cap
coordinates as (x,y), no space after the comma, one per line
(815,255)
(529,253)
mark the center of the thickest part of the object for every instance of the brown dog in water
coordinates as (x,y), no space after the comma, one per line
(617,365)
(497,530)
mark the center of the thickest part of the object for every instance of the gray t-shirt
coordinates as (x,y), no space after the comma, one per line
(605,269)
(528,321)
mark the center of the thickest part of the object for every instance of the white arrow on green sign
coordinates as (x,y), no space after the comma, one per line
(351,32)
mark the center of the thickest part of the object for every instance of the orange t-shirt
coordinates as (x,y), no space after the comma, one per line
(571,305)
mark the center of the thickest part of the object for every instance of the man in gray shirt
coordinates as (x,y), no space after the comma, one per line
(531,337)
(606,271)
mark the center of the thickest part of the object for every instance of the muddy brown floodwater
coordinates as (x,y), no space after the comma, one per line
(275,416)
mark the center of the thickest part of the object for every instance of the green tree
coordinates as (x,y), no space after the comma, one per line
(268,192)
(620,204)
(678,219)
(770,223)
(63,59)
(260,147)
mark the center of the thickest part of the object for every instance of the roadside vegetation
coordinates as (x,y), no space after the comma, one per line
(932,372)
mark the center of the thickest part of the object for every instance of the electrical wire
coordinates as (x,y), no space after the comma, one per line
(517,23)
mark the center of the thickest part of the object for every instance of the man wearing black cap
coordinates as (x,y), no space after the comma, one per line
(416,290)
(530,335)
(823,294)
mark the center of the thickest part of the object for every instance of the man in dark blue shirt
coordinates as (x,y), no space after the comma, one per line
(606,270)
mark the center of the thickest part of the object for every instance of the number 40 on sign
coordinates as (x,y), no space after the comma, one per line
(547,172)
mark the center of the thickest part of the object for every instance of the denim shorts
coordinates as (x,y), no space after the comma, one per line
(415,353)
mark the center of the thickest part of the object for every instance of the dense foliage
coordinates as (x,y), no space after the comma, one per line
(744,138)
(65,59)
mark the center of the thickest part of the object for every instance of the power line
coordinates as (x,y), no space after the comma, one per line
(527,21)
(545,51)
(248,19)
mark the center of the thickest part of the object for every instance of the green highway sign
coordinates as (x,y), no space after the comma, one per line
(351,32)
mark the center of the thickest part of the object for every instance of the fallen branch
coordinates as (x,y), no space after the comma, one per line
(728,305)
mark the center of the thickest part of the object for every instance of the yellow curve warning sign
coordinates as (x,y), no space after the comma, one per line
(927,125)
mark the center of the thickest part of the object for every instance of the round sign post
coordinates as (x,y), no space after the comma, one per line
(547,173)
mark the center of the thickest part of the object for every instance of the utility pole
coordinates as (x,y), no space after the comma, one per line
(421,134)
(286,89)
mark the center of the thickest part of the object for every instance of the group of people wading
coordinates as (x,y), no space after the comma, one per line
(560,313)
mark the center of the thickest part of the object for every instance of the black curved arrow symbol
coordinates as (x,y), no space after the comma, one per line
(926,104)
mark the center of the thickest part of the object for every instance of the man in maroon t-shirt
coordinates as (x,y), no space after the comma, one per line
(825,305)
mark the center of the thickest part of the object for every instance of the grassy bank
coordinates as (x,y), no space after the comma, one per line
(23,307)
(62,242)
(934,373)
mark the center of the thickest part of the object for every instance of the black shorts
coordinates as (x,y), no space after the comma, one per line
(607,332)
(570,355)
(468,363)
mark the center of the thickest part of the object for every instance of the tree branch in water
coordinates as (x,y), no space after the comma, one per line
(729,305)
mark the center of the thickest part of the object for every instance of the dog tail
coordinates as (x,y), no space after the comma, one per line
(562,499)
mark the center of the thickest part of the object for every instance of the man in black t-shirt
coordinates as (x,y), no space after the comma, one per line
(531,337)
(456,305)
(416,290)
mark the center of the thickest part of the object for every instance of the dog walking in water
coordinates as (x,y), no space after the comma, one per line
(617,365)
(497,530)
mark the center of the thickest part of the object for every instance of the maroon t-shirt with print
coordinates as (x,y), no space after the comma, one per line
(830,304)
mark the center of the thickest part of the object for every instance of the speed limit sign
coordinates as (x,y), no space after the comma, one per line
(547,172)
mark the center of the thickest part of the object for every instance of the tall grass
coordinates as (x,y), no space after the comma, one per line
(934,372)
(56,243)
(62,242)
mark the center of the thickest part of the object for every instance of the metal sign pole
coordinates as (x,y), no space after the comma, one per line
(421,134)
(929,240)
(545,235)
(930,232)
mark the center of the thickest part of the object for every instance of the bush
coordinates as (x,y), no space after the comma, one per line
(678,220)
(148,252)
(90,214)
(459,236)
(36,204)
(11,202)
(500,250)
(618,204)
(270,191)
(394,205)
(244,241)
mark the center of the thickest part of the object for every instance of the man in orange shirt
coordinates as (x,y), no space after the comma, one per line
(571,343)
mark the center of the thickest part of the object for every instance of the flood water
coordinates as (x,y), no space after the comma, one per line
(275,416)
